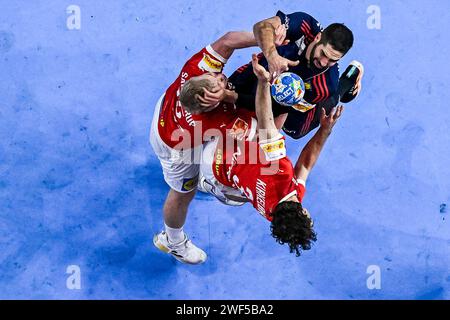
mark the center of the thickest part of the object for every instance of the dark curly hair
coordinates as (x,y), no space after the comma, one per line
(289,225)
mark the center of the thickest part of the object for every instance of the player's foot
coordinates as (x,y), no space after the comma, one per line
(201,185)
(348,80)
(207,187)
(185,251)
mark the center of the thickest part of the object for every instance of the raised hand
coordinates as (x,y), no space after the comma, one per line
(212,97)
(259,71)
(328,121)
(278,64)
(358,85)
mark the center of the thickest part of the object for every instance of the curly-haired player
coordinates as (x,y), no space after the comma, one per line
(264,175)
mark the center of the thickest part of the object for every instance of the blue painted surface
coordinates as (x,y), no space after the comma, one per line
(79,184)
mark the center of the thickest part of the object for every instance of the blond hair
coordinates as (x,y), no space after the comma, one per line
(189,92)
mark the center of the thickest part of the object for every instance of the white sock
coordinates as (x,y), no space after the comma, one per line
(174,235)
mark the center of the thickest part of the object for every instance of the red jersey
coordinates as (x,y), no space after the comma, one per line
(183,130)
(261,171)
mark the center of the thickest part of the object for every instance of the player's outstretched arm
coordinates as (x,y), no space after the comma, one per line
(225,47)
(311,151)
(265,33)
(233,40)
(263,102)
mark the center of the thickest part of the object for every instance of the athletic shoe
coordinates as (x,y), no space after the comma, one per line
(205,186)
(185,251)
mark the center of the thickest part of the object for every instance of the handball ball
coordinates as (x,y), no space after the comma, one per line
(288,89)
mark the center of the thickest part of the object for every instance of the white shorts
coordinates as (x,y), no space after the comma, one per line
(180,167)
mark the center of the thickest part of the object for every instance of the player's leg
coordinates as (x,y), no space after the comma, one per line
(182,178)
(173,239)
(176,207)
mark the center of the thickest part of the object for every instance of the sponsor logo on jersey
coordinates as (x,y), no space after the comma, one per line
(218,161)
(288,131)
(180,113)
(189,184)
(274,150)
(320,26)
(286,22)
(239,129)
(210,64)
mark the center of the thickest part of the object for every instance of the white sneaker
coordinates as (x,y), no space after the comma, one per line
(185,251)
(206,187)
(201,185)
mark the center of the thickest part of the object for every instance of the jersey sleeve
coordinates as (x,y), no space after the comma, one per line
(274,149)
(299,24)
(212,61)
(301,189)
(206,60)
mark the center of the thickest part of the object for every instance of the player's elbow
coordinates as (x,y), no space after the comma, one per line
(267,24)
(257,26)
(261,25)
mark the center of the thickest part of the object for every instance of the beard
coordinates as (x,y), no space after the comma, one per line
(311,64)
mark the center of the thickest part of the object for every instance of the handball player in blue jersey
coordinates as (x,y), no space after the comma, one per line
(313,54)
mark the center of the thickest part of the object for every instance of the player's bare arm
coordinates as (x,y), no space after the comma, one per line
(263,101)
(265,34)
(225,47)
(358,85)
(311,151)
(233,40)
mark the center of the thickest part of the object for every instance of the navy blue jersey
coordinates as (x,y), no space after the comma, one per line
(320,85)
(299,124)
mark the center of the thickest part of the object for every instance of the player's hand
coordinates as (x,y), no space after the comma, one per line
(328,121)
(259,71)
(278,64)
(280,36)
(358,85)
(212,98)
